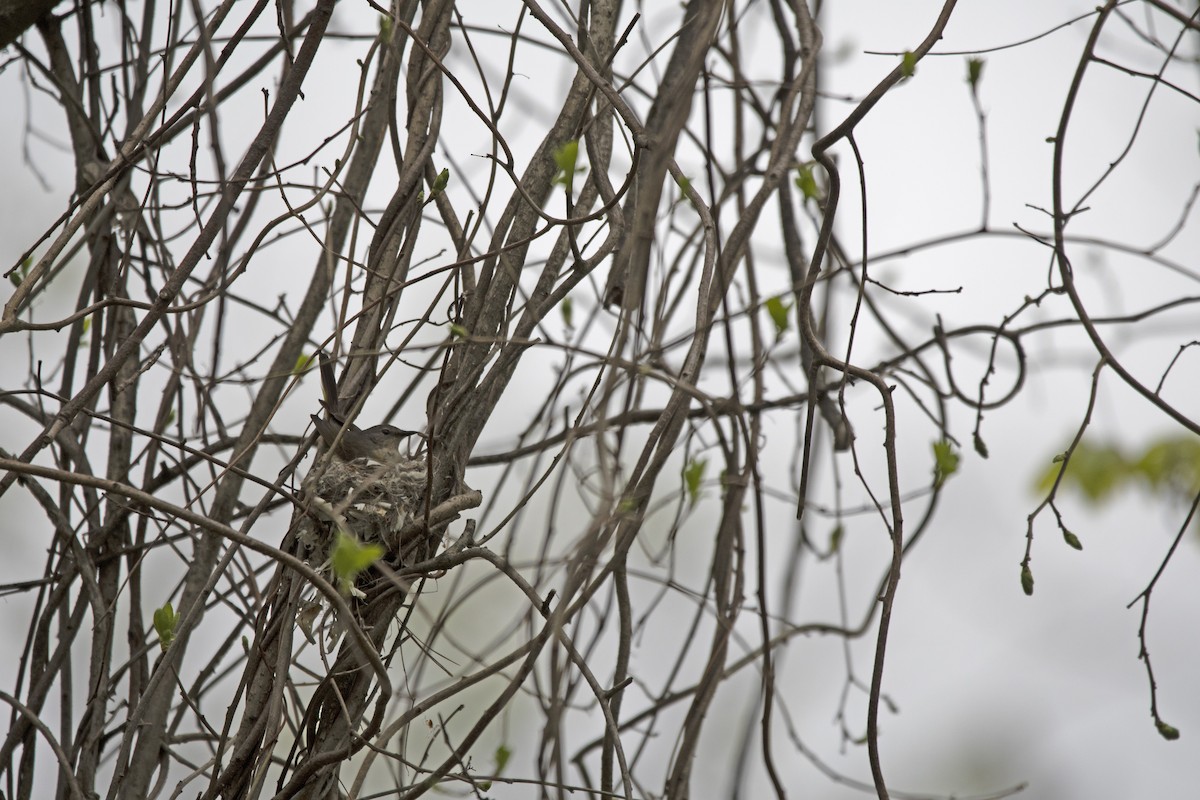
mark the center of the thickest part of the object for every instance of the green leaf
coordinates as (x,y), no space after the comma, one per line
(385,28)
(1168,732)
(835,539)
(350,557)
(974,72)
(980,446)
(945,462)
(1026,579)
(806,182)
(778,310)
(1072,540)
(567,310)
(1168,468)
(693,476)
(502,756)
(684,184)
(166,621)
(564,158)
(303,362)
(1170,463)
(908,64)
(16,276)
(1095,470)
(566,155)
(458,331)
(440,183)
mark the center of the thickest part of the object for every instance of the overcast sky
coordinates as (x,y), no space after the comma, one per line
(993,688)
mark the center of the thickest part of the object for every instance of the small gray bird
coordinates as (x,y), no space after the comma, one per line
(379,443)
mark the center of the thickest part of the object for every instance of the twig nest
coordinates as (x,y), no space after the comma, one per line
(373,502)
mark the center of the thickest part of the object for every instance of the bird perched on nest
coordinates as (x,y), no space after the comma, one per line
(379,443)
(348,442)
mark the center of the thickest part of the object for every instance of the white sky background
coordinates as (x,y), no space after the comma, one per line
(993,688)
(996,688)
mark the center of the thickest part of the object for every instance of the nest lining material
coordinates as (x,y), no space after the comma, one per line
(371,501)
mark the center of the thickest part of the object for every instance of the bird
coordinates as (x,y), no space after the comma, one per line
(378,443)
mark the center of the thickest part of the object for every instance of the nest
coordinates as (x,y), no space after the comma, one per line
(373,502)
(377,504)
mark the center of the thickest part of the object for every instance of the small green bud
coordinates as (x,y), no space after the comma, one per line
(974,72)
(1168,732)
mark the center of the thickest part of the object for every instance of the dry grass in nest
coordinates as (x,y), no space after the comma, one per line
(371,501)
